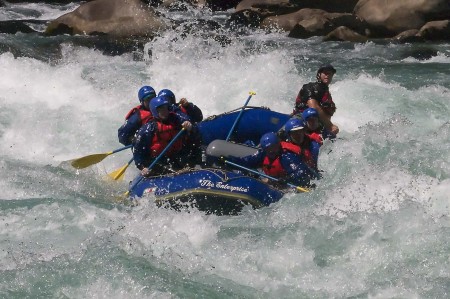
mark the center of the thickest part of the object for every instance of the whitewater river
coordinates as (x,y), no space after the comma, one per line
(377,226)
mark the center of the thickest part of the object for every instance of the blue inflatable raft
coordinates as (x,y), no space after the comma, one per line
(253,123)
(215,190)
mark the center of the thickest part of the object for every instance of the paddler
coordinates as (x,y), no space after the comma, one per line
(138,116)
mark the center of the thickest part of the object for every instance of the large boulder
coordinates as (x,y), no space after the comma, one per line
(343,33)
(287,22)
(116,18)
(14,26)
(389,18)
(315,22)
(408,36)
(288,6)
(222,4)
(435,30)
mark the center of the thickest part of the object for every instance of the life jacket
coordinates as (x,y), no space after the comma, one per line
(327,104)
(314,136)
(183,110)
(274,167)
(307,157)
(318,91)
(304,152)
(144,115)
(162,136)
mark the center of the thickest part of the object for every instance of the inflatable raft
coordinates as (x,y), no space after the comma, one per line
(212,189)
(253,123)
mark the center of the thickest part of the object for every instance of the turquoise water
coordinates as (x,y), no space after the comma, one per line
(377,226)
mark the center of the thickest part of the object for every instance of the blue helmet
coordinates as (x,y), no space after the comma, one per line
(155,103)
(145,92)
(168,94)
(310,112)
(268,139)
(294,124)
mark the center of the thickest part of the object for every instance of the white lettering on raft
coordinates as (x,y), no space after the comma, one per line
(220,185)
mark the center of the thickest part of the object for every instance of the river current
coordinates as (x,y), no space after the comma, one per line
(377,225)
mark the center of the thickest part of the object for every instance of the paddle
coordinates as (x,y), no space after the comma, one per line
(118,174)
(240,114)
(156,160)
(266,176)
(87,161)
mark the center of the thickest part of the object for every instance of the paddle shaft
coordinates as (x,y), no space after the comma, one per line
(266,176)
(157,159)
(239,116)
(121,149)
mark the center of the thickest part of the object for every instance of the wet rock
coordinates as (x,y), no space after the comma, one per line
(247,18)
(343,33)
(14,26)
(408,36)
(390,18)
(218,5)
(421,53)
(435,30)
(118,18)
(316,22)
(274,7)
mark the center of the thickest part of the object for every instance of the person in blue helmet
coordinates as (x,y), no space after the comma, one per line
(153,137)
(312,125)
(309,149)
(186,107)
(278,159)
(317,95)
(137,116)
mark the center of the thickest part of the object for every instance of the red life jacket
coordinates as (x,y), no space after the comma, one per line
(307,157)
(314,136)
(274,168)
(161,138)
(327,104)
(144,115)
(304,152)
(183,110)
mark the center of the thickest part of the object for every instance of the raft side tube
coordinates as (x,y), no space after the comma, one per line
(219,148)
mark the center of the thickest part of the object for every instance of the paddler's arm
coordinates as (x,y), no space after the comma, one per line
(297,171)
(126,132)
(324,117)
(192,110)
(142,144)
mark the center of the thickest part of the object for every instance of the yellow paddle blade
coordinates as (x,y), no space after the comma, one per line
(302,189)
(118,174)
(87,161)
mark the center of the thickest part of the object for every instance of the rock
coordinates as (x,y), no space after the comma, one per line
(118,18)
(14,26)
(217,5)
(316,22)
(277,7)
(343,33)
(420,52)
(56,2)
(435,30)
(287,22)
(389,18)
(248,18)
(408,36)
